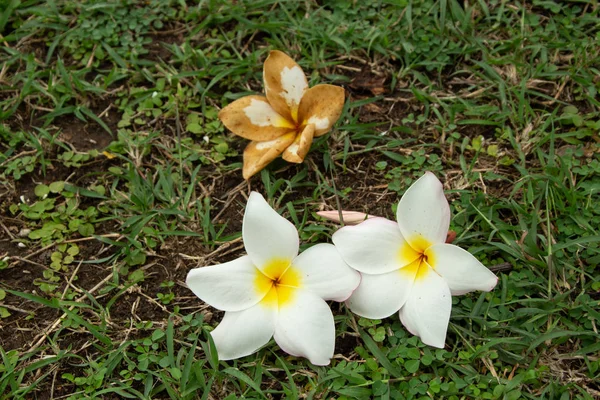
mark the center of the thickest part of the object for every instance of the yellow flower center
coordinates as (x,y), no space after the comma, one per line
(422,256)
(278,280)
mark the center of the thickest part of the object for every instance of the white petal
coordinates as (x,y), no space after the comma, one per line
(463,272)
(423,213)
(379,296)
(426,313)
(242,333)
(267,235)
(229,287)
(324,272)
(305,328)
(373,246)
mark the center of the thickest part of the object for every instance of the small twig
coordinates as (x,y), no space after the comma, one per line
(35,253)
(221,248)
(23,153)
(53,383)
(70,281)
(558,93)
(502,267)
(13,308)
(9,233)
(25,260)
(91,60)
(231,197)
(103,113)
(107,235)
(4,69)
(348,68)
(156,303)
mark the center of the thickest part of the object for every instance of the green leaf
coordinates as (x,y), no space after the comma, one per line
(355,392)
(498,390)
(380,388)
(194,127)
(413,353)
(492,150)
(41,190)
(222,148)
(86,229)
(57,187)
(157,334)
(84,192)
(556,334)
(477,142)
(412,366)
(136,257)
(41,233)
(394,156)
(513,395)
(137,276)
(426,359)
(175,372)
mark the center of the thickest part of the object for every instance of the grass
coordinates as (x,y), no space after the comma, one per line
(116,178)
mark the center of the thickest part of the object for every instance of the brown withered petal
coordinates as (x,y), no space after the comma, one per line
(322,106)
(285,84)
(252,117)
(296,151)
(258,154)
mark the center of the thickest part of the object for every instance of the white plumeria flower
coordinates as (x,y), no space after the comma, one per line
(406,266)
(273,291)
